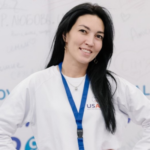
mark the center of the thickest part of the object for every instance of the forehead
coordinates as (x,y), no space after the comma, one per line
(92,21)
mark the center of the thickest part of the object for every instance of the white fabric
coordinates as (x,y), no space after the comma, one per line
(41,100)
(77,95)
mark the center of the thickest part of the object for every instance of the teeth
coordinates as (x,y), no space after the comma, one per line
(85,50)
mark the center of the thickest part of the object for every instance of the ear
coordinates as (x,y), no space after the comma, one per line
(64,37)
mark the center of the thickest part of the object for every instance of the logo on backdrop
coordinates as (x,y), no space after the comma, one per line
(31,144)
(17,143)
(4,93)
(145,91)
(27,124)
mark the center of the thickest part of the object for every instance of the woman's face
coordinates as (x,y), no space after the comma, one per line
(84,40)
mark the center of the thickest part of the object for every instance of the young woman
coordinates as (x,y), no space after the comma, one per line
(76,103)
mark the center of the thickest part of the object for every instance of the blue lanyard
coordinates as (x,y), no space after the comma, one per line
(78,115)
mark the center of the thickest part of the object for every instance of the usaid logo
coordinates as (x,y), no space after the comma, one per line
(92,104)
(31,144)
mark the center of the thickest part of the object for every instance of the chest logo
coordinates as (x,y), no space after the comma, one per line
(92,104)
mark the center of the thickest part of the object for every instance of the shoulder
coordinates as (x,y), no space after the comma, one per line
(127,96)
(121,84)
(123,90)
(38,78)
(44,75)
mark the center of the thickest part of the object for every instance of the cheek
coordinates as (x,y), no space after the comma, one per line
(98,47)
(79,40)
(75,41)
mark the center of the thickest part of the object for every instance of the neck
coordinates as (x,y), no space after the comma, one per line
(73,69)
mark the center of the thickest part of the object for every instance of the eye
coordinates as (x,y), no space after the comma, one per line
(99,37)
(83,31)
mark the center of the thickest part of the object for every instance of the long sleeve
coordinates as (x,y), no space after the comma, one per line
(137,106)
(15,111)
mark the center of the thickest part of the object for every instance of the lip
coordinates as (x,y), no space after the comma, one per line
(85,54)
(85,49)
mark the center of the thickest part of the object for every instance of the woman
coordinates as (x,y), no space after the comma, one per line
(76,103)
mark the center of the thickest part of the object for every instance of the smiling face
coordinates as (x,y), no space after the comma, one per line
(84,40)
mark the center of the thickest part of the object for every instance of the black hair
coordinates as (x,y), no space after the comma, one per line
(97,73)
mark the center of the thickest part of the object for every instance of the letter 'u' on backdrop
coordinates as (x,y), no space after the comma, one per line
(27,28)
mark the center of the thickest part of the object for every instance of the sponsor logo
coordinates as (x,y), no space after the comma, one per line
(4,93)
(129,120)
(16,142)
(144,90)
(93,104)
(31,144)
(27,124)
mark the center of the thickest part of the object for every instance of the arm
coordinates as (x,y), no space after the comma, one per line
(15,111)
(132,101)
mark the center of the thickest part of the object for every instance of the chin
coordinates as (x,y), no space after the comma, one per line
(85,62)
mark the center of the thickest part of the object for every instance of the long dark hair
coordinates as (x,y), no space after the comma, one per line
(97,72)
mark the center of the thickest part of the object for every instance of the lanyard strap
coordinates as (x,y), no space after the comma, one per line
(78,116)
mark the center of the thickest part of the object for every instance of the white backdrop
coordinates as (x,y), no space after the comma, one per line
(26,31)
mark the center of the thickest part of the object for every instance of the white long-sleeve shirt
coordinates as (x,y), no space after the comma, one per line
(41,100)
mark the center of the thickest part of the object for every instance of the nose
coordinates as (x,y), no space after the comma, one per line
(90,40)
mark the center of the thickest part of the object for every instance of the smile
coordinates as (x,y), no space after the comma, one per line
(85,50)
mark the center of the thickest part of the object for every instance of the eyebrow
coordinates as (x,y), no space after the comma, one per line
(90,29)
